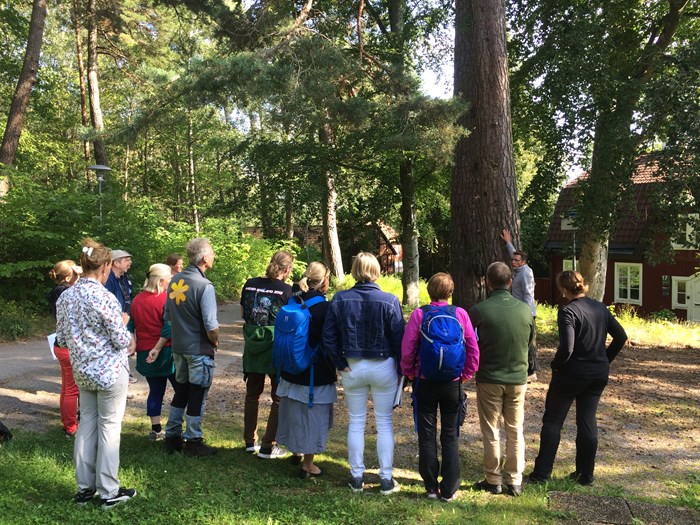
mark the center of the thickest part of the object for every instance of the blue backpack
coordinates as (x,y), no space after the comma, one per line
(291,351)
(441,350)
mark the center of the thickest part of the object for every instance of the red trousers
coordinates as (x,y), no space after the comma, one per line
(69,392)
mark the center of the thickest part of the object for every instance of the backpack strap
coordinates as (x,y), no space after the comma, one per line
(313,301)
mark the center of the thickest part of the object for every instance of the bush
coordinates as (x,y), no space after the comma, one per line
(18,320)
(663,315)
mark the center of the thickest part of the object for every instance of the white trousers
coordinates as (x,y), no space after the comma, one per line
(96,451)
(378,377)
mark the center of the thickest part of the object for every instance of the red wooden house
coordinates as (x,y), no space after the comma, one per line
(631,279)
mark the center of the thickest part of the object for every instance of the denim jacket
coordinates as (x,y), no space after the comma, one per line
(363,322)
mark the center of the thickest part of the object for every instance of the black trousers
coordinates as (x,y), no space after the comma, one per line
(563,391)
(532,366)
(447,396)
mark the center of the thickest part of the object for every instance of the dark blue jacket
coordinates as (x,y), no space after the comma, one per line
(365,323)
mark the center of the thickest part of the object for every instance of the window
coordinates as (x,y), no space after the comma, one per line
(567,265)
(678,290)
(628,283)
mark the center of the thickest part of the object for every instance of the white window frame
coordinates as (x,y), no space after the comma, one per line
(619,268)
(675,280)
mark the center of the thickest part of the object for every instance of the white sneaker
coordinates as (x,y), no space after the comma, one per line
(252,447)
(273,453)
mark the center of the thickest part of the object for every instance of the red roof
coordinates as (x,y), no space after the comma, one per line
(632,220)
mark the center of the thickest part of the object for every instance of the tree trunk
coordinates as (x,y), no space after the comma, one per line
(93,86)
(331,246)
(484,194)
(288,215)
(194,201)
(593,265)
(20,100)
(81,75)
(409,234)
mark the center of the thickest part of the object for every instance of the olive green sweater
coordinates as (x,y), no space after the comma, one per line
(504,328)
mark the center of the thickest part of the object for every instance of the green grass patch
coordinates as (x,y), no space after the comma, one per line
(232,487)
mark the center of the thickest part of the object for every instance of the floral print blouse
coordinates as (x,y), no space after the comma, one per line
(88,318)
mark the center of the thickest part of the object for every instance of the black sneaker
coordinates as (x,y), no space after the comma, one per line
(173,444)
(581,479)
(85,496)
(122,496)
(196,447)
(514,490)
(388,486)
(488,487)
(535,479)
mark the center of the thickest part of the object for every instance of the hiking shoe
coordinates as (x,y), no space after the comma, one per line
(197,448)
(132,379)
(174,444)
(85,496)
(432,493)
(356,484)
(156,436)
(388,486)
(122,496)
(274,452)
(68,434)
(252,447)
(514,490)
(487,487)
(129,395)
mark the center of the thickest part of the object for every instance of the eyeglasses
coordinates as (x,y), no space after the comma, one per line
(516,260)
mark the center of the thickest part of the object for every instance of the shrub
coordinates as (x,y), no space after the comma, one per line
(18,320)
(663,315)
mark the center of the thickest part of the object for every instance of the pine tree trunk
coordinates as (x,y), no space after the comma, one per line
(194,201)
(331,246)
(484,195)
(94,87)
(25,83)
(409,234)
(81,76)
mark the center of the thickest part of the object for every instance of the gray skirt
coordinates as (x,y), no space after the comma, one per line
(301,429)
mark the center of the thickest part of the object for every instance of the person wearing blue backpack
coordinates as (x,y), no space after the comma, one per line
(307,396)
(439,352)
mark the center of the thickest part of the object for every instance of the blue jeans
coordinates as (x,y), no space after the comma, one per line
(156,392)
(194,375)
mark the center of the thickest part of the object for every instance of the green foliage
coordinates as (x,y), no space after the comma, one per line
(387,283)
(663,315)
(18,320)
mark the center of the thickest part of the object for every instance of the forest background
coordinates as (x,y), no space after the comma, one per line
(296,118)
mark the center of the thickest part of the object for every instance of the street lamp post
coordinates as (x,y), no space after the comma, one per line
(100,170)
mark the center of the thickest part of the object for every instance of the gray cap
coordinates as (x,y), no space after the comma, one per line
(119,254)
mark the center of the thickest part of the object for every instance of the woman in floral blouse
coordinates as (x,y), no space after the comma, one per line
(88,318)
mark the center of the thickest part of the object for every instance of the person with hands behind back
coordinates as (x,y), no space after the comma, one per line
(435,388)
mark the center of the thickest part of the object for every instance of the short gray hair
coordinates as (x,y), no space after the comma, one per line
(197,249)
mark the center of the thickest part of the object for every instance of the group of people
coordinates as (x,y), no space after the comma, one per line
(360,333)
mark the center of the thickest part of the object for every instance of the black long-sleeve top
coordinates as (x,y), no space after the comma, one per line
(583,328)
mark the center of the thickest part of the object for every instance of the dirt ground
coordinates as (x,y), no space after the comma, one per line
(648,417)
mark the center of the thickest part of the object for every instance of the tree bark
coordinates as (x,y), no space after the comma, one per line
(409,234)
(331,246)
(484,194)
(25,83)
(81,76)
(194,200)
(93,86)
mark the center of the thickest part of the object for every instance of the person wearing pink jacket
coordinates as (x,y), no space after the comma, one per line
(448,395)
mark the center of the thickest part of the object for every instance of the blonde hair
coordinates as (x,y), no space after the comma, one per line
(572,281)
(156,273)
(94,255)
(440,286)
(365,268)
(314,277)
(279,262)
(63,271)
